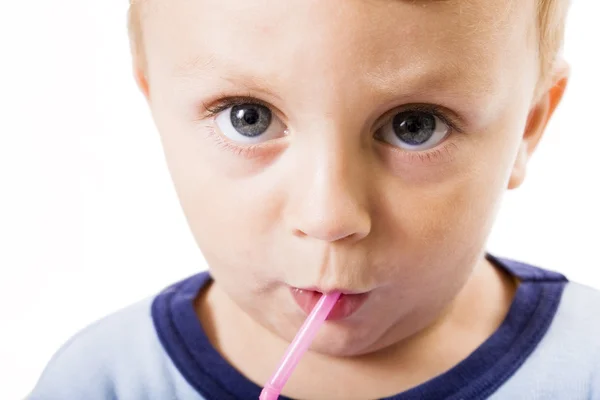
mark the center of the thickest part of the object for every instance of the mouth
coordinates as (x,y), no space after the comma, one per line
(347,304)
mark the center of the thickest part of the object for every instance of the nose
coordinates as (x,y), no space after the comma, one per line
(332,198)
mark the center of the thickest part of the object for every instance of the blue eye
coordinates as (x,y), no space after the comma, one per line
(414,131)
(250,119)
(249,123)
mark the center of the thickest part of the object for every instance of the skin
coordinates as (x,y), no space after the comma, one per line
(326,202)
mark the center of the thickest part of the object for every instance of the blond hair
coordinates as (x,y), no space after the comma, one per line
(551,17)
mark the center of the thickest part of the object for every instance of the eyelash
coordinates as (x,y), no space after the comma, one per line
(247,151)
(433,109)
(432,155)
(215,108)
(222,105)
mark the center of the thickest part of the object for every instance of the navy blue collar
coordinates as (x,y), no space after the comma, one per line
(476,377)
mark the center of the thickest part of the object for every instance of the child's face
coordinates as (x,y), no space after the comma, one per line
(384,136)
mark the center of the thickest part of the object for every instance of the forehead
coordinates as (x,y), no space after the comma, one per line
(384,42)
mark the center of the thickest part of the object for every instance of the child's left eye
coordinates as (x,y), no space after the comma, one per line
(249,123)
(414,131)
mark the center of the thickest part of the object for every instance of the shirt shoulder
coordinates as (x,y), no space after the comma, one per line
(579,313)
(575,329)
(118,357)
(567,360)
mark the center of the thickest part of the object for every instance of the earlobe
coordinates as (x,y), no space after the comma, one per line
(517,175)
(538,119)
(142,82)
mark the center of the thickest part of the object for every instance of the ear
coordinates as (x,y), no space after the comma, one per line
(538,119)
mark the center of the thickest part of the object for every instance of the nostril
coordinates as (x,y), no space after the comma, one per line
(299,233)
(328,235)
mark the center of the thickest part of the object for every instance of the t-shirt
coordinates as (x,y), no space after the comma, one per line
(547,347)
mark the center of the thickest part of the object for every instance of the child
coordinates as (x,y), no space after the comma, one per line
(351,145)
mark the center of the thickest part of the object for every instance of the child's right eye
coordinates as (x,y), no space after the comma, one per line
(249,123)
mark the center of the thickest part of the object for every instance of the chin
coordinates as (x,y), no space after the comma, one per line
(342,340)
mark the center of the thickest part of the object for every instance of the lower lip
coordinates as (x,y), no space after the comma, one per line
(346,305)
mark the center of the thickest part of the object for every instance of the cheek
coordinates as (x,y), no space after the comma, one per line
(234,212)
(435,228)
(229,213)
(463,207)
(231,220)
(440,222)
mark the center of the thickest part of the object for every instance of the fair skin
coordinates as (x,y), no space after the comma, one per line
(333,194)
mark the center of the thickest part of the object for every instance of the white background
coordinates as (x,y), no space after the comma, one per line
(89,221)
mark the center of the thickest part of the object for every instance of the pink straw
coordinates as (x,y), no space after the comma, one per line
(299,345)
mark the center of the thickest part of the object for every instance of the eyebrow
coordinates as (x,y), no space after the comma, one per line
(428,1)
(193,65)
(384,84)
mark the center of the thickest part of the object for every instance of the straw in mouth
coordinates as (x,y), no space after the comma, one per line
(299,346)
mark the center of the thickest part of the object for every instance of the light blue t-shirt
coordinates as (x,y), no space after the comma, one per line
(548,347)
